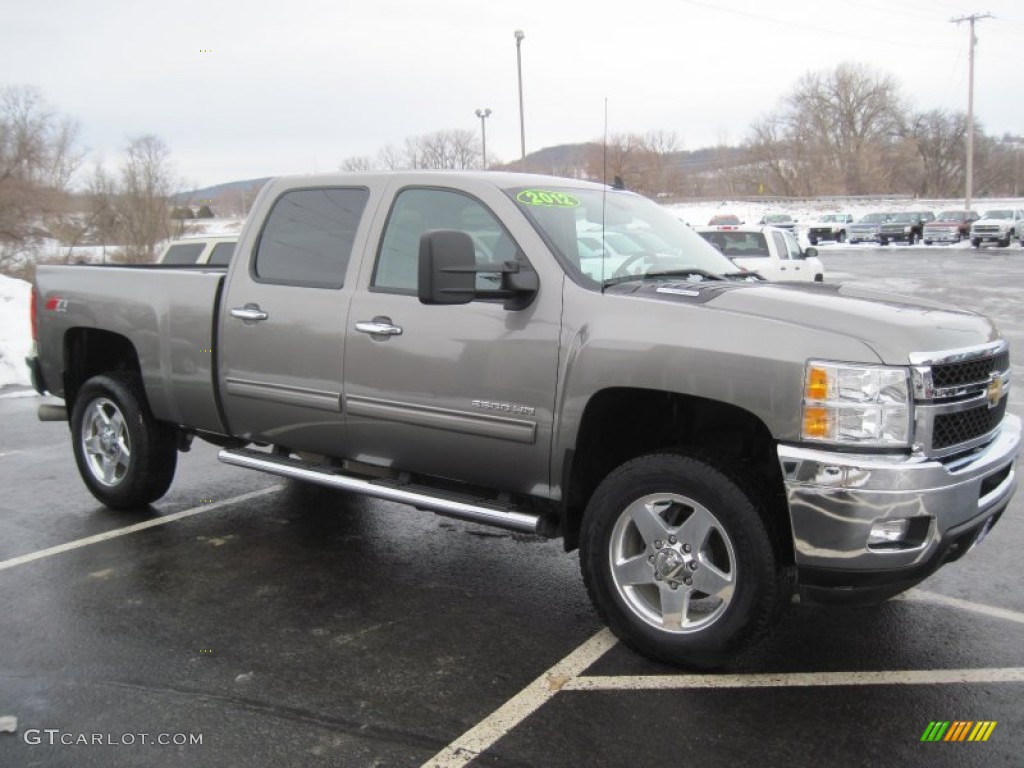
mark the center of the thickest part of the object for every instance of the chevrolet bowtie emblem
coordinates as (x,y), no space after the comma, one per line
(995,392)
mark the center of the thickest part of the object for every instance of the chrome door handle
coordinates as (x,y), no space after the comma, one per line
(379,326)
(250,313)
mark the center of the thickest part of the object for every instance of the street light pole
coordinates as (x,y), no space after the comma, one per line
(483,114)
(519,68)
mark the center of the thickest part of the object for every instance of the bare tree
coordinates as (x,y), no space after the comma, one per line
(358,163)
(38,156)
(147,182)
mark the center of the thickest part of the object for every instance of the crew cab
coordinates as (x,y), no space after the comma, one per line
(773,253)
(829,226)
(998,226)
(949,227)
(712,443)
(905,226)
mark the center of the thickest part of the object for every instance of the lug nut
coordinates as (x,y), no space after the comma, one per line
(650,558)
(688,581)
(672,539)
(675,585)
(693,565)
(686,547)
(657,545)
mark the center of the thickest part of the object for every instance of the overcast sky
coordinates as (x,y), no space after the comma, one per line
(247,89)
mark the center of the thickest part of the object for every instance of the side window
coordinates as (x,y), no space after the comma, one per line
(308,237)
(792,246)
(420,210)
(185,253)
(221,254)
(780,245)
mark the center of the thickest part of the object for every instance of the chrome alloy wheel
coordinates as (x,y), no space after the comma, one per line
(673,563)
(105,442)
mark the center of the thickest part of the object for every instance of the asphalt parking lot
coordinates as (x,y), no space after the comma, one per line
(243,620)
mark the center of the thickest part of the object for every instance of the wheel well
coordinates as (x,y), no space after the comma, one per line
(622,423)
(89,352)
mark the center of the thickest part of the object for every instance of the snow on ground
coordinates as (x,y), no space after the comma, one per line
(15,331)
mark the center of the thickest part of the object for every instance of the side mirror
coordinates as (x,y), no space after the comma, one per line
(448,270)
(810,252)
(447,267)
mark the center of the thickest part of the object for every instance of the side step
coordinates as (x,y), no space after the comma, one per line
(462,507)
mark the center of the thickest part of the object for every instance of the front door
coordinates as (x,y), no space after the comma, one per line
(463,391)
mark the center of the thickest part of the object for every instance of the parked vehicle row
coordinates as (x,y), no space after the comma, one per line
(999,226)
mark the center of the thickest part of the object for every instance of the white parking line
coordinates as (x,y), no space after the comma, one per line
(510,714)
(798,679)
(965,605)
(164,520)
(566,676)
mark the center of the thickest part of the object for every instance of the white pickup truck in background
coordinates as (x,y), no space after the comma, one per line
(773,253)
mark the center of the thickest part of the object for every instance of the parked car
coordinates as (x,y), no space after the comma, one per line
(830,226)
(949,227)
(780,220)
(212,250)
(998,226)
(905,226)
(724,218)
(771,252)
(865,230)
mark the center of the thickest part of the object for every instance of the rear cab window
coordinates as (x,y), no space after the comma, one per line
(183,253)
(308,237)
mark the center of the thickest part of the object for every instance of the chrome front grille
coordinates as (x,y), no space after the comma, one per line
(960,398)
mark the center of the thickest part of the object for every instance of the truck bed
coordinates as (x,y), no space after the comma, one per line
(167,314)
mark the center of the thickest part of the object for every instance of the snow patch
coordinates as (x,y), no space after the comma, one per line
(15,331)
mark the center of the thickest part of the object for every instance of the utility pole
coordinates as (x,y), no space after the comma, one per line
(483,114)
(970,105)
(519,69)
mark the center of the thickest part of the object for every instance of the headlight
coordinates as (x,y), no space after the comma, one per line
(906,230)
(859,405)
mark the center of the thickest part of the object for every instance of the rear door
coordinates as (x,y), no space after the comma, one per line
(282,335)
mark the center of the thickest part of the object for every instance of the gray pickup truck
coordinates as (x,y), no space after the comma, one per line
(711,442)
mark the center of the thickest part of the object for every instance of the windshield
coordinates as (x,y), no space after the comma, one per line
(957,216)
(901,217)
(875,218)
(638,237)
(998,214)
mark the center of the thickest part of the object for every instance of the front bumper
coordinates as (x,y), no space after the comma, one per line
(942,235)
(834,499)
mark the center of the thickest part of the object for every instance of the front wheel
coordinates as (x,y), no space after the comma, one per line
(976,243)
(841,237)
(125,456)
(679,561)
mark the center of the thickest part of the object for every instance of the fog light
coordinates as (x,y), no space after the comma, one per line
(888,533)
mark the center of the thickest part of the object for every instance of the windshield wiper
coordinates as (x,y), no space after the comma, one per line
(661,274)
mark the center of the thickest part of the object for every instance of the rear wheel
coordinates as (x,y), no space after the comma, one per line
(679,561)
(125,456)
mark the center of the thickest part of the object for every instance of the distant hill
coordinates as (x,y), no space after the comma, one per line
(221,192)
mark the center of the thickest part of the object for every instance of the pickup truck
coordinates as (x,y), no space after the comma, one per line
(998,226)
(208,249)
(773,253)
(829,226)
(713,445)
(905,226)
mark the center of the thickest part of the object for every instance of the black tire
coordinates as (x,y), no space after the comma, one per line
(675,497)
(910,239)
(883,242)
(819,278)
(841,237)
(125,456)
(976,243)
(927,242)
(1004,243)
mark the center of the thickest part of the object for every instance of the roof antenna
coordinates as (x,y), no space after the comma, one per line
(604,191)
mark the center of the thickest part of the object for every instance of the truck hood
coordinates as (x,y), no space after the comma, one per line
(892,325)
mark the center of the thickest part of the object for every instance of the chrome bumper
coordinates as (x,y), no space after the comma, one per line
(834,498)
